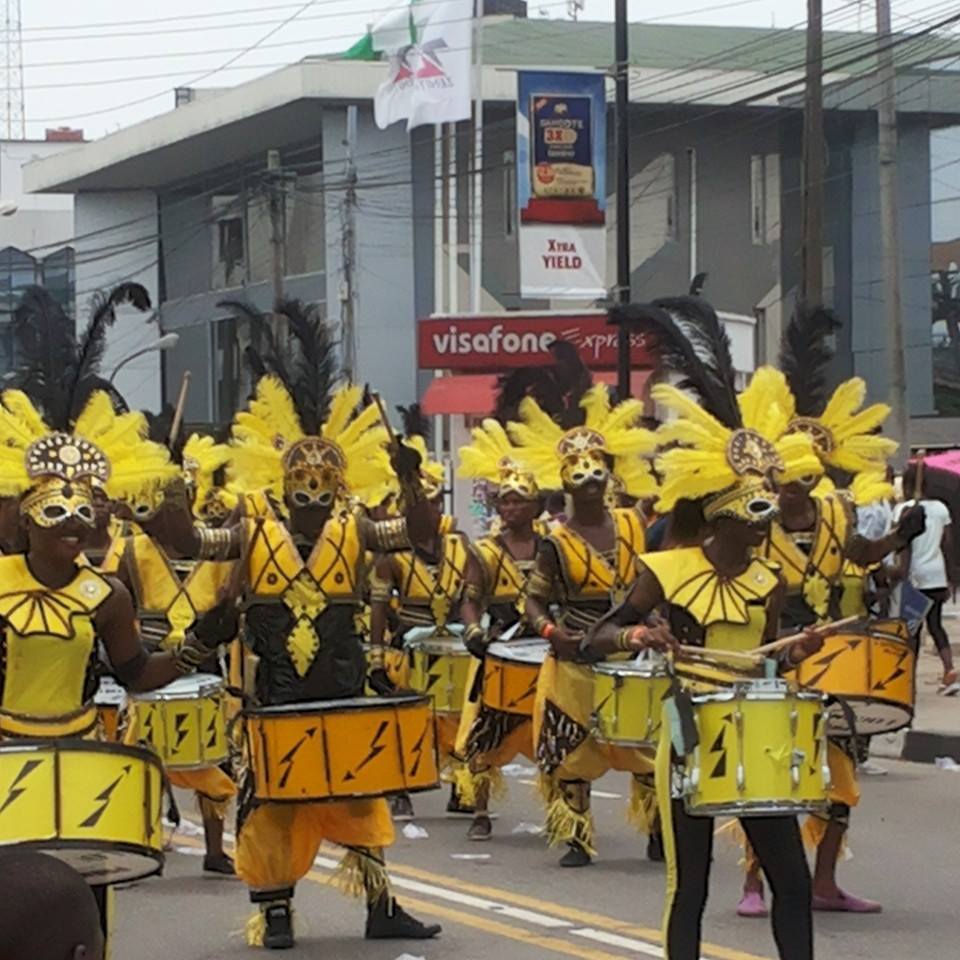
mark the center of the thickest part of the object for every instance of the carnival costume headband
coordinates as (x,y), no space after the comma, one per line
(56,472)
(493,457)
(607,445)
(716,449)
(300,438)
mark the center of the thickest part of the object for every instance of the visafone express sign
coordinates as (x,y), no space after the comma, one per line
(502,341)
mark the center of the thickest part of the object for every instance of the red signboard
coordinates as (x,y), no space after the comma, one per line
(504,340)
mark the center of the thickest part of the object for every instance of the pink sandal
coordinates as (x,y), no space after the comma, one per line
(845,903)
(751,905)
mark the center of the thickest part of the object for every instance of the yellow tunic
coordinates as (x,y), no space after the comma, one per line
(429,593)
(48,645)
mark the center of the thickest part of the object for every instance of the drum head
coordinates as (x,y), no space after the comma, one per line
(870,717)
(531,651)
(109,865)
(322,706)
(185,688)
(647,665)
(110,693)
(447,647)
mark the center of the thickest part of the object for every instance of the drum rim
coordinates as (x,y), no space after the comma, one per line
(610,668)
(107,846)
(203,688)
(309,708)
(750,808)
(342,797)
(909,713)
(451,647)
(736,692)
(71,744)
(628,744)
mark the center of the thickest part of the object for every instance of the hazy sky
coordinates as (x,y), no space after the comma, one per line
(92,65)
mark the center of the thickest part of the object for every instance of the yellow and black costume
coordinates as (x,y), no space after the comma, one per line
(713,452)
(488,738)
(318,451)
(577,584)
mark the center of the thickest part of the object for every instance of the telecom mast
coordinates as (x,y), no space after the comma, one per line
(11,72)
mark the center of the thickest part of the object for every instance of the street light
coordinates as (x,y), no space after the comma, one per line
(167,342)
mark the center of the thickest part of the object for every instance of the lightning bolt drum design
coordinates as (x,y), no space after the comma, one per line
(439,668)
(510,673)
(95,806)
(342,749)
(183,722)
(872,670)
(762,751)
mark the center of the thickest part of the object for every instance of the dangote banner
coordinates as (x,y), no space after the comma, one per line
(562,189)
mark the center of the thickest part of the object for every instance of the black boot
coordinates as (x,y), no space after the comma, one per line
(221,864)
(401,807)
(655,847)
(481,828)
(279,932)
(576,856)
(387,920)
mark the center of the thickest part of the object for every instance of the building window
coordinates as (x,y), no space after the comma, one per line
(59,278)
(764,198)
(509,193)
(230,249)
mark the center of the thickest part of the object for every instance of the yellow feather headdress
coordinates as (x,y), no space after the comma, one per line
(202,458)
(547,449)
(268,444)
(104,449)
(493,457)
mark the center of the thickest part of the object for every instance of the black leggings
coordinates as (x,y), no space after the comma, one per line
(935,617)
(779,849)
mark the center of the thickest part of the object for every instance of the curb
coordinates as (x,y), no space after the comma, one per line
(917,746)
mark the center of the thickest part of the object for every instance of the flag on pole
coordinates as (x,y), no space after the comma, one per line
(429,45)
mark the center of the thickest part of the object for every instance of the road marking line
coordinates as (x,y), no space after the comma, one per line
(597,927)
(625,943)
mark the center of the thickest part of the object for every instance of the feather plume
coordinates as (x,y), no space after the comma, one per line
(805,356)
(415,423)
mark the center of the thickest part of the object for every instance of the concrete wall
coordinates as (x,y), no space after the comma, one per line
(385,305)
(127,222)
(40,218)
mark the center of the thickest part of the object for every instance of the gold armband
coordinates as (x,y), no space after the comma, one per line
(215,543)
(391,535)
(539,587)
(473,592)
(473,631)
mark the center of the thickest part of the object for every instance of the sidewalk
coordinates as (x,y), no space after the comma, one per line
(936,725)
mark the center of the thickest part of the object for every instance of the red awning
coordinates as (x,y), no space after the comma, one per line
(474,393)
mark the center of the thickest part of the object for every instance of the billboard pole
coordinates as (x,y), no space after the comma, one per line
(621,113)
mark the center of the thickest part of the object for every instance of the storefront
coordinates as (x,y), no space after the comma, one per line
(467,353)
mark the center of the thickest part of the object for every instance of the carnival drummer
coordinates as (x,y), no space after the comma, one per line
(311,447)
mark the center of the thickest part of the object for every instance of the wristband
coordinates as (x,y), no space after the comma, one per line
(548,630)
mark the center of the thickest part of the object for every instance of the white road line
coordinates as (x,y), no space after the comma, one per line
(616,940)
(466,900)
(600,794)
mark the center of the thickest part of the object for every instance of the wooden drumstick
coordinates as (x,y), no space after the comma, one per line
(918,484)
(178,412)
(777,645)
(715,654)
(378,400)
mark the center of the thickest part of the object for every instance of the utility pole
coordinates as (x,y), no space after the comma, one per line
(890,234)
(349,251)
(811,273)
(278,233)
(621,112)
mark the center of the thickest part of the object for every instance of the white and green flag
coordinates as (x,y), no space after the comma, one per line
(429,45)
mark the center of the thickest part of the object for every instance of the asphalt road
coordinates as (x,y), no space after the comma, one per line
(516,903)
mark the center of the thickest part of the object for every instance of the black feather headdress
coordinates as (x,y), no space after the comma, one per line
(57,370)
(415,422)
(805,356)
(692,345)
(305,363)
(557,388)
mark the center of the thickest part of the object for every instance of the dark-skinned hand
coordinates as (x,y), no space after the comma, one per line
(913,522)
(565,644)
(380,682)
(405,461)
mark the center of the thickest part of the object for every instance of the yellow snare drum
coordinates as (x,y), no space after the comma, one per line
(440,668)
(342,749)
(873,672)
(510,672)
(93,805)
(628,700)
(184,722)
(762,751)
(110,699)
